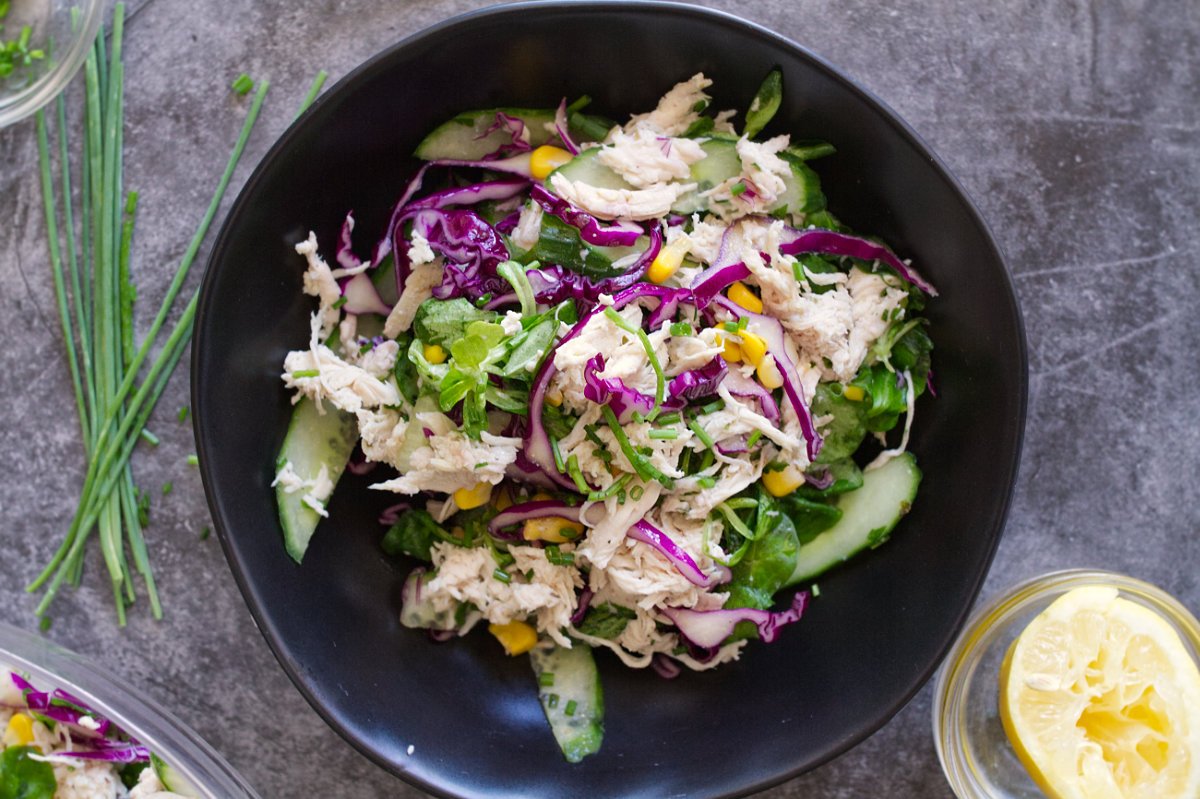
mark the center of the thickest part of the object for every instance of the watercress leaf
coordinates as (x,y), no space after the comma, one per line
(22,777)
(844,434)
(469,352)
(765,104)
(606,620)
(768,560)
(489,333)
(412,534)
(885,399)
(809,517)
(443,322)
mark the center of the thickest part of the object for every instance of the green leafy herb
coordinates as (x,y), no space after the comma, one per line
(413,534)
(444,322)
(845,433)
(22,777)
(242,84)
(766,102)
(605,620)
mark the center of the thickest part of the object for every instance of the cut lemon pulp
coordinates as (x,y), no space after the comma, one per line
(1101,700)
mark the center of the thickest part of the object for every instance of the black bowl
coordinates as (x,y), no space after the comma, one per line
(882,622)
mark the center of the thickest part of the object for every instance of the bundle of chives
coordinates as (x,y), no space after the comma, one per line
(95,298)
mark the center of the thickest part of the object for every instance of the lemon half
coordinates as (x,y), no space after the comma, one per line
(1101,700)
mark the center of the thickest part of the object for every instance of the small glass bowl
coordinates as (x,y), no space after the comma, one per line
(64,31)
(971,743)
(207,775)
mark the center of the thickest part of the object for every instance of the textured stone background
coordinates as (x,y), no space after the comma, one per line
(1074,124)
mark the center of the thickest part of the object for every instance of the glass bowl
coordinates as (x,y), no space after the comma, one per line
(63,30)
(48,666)
(971,743)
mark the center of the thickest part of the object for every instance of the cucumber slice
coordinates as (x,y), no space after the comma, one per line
(462,137)
(586,168)
(560,243)
(171,779)
(313,440)
(574,701)
(868,516)
(720,163)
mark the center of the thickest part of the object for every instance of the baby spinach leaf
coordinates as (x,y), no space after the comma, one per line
(412,534)
(809,517)
(768,560)
(22,777)
(845,433)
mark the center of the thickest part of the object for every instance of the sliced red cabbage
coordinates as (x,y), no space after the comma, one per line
(647,533)
(829,242)
(696,383)
(771,331)
(344,255)
(819,479)
(515,127)
(712,281)
(591,230)
(563,129)
(613,392)
(666,667)
(362,297)
(126,753)
(534,509)
(708,629)
(741,386)
(733,446)
(472,247)
(503,189)
(581,609)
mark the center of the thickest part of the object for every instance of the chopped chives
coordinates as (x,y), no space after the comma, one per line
(636,493)
(150,438)
(664,435)
(552,701)
(660,379)
(558,458)
(712,407)
(737,189)
(618,485)
(313,91)
(44,623)
(816,590)
(546,679)
(183,414)
(753,439)
(570,708)
(643,467)
(577,475)
(681,329)
(340,301)
(168,487)
(242,84)
(193,460)
(501,575)
(734,520)
(706,482)
(700,433)
(205,533)
(669,418)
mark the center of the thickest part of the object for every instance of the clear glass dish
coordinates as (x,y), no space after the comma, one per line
(64,31)
(48,666)
(971,744)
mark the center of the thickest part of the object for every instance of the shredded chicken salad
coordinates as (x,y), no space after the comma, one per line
(619,377)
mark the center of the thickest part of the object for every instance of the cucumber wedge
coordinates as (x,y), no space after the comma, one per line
(720,163)
(868,517)
(462,138)
(171,779)
(313,440)
(573,701)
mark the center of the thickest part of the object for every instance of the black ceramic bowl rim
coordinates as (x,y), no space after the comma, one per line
(294,670)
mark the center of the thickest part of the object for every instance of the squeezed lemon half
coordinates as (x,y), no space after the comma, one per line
(1101,700)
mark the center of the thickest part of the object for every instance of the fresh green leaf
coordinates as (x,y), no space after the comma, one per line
(405,371)
(514,273)
(413,534)
(22,777)
(443,322)
(132,772)
(431,374)
(766,102)
(886,397)
(809,517)
(606,620)
(845,433)
(768,560)
(529,348)
(559,243)
(846,477)
(810,150)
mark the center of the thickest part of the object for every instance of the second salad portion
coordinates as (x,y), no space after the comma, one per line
(629,382)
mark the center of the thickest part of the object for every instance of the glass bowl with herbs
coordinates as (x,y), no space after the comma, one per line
(42,45)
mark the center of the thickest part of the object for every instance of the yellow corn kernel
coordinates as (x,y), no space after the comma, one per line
(745,297)
(753,347)
(435,354)
(503,500)
(732,352)
(853,393)
(467,498)
(783,482)
(20,730)
(517,637)
(768,374)
(546,159)
(667,261)
(551,528)
(554,397)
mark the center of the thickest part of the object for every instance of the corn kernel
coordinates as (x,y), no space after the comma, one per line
(783,482)
(20,730)
(467,498)
(435,353)
(732,352)
(554,397)
(503,500)
(667,262)
(546,159)
(853,393)
(551,528)
(753,347)
(768,374)
(745,297)
(517,637)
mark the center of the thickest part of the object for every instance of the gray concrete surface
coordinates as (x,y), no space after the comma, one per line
(1074,124)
